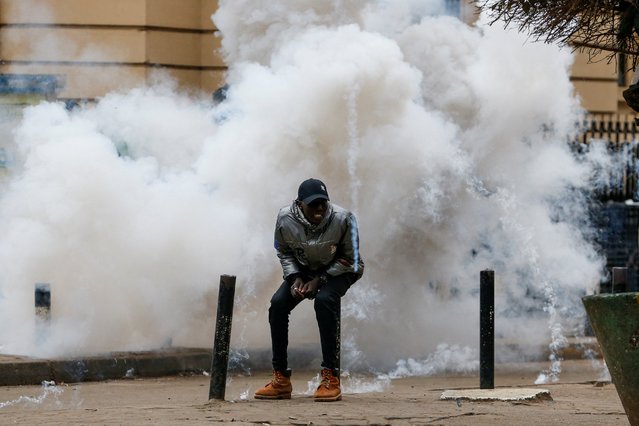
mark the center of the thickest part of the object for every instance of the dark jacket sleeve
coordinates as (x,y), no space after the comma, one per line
(290,267)
(348,258)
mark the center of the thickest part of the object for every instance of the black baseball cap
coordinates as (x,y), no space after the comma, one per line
(311,190)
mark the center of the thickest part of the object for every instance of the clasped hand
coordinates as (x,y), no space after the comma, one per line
(301,289)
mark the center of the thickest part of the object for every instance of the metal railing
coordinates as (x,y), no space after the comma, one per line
(613,128)
(620,132)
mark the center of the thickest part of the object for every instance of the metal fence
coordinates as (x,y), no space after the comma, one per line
(620,132)
(616,220)
(613,128)
(617,240)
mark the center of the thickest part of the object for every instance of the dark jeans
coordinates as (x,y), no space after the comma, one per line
(327,303)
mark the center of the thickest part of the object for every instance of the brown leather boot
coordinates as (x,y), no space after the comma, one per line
(279,388)
(329,389)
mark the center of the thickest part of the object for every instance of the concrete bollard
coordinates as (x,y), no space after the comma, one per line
(487,330)
(220,359)
(615,320)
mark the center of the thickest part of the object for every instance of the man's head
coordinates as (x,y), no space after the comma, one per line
(312,198)
(311,190)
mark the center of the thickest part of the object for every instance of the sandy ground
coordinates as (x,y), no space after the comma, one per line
(576,400)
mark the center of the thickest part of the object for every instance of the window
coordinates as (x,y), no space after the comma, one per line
(453,7)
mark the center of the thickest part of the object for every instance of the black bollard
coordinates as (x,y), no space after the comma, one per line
(487,330)
(619,280)
(43,302)
(338,362)
(220,361)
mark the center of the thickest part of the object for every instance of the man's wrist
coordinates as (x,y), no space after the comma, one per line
(291,278)
(323,278)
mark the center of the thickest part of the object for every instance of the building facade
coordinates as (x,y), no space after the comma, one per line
(96,46)
(600,83)
(92,47)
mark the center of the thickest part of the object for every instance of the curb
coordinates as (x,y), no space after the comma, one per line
(127,365)
(575,348)
(16,370)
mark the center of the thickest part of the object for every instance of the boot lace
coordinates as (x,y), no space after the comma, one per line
(278,377)
(327,375)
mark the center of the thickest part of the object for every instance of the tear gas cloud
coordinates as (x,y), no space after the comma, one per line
(447,141)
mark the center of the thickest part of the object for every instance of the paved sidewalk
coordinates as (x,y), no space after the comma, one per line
(577,399)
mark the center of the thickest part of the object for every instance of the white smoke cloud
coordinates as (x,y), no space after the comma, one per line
(447,141)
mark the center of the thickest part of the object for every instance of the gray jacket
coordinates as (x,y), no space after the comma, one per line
(330,247)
